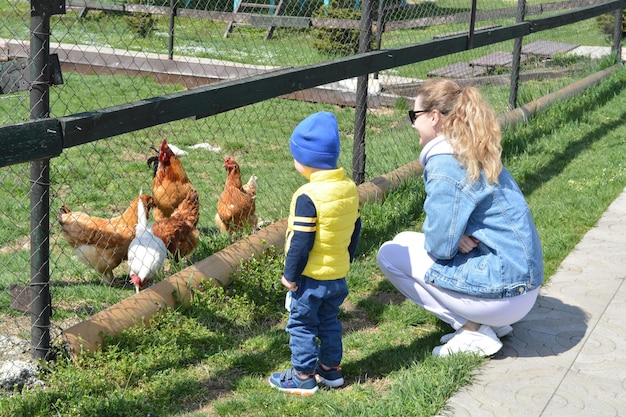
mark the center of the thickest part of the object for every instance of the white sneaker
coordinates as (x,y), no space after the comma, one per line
(499,331)
(483,341)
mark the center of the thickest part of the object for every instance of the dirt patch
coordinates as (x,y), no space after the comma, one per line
(23,243)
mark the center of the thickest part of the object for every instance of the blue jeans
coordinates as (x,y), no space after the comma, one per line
(314,315)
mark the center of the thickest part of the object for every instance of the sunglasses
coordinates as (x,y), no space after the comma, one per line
(414,113)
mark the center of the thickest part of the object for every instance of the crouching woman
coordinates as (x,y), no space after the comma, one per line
(477,265)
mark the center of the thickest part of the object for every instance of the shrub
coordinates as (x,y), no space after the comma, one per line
(339,41)
(606,23)
(142,23)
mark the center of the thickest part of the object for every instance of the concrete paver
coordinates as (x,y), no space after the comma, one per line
(567,357)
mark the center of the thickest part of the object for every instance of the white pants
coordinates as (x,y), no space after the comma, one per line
(405,262)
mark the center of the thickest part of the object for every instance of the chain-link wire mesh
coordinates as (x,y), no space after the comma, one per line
(115,52)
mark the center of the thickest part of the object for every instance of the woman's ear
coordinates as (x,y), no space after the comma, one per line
(435,117)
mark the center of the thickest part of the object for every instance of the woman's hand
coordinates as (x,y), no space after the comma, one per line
(467,244)
(291,286)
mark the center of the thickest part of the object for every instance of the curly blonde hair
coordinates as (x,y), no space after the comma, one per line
(470,125)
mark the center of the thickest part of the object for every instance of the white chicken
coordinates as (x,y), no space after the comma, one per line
(146,253)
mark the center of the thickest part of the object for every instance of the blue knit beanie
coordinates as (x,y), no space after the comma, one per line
(315,141)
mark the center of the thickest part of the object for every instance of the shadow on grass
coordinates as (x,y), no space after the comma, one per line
(381,363)
(562,159)
(575,112)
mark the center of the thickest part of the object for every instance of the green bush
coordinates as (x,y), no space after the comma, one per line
(336,41)
(142,24)
(606,23)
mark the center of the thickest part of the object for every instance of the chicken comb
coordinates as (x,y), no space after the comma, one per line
(228,162)
(166,153)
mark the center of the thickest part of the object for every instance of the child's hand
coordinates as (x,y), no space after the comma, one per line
(291,286)
(468,243)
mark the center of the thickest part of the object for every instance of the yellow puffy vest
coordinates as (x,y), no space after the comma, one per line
(337,203)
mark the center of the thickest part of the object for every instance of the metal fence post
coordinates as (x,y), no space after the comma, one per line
(40,308)
(358,149)
(617,34)
(472,25)
(517,54)
(173,10)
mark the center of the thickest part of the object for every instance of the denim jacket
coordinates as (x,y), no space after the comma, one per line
(508,261)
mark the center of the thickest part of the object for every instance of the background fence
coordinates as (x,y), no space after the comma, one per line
(218,78)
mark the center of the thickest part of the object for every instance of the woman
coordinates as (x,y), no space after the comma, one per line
(477,265)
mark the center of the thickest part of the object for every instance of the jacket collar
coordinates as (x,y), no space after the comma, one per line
(437,146)
(327,175)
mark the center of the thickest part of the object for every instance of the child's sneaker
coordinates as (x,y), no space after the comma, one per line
(289,381)
(332,377)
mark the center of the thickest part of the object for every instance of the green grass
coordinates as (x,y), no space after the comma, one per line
(213,358)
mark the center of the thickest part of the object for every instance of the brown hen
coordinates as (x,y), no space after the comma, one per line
(179,231)
(170,184)
(101,243)
(236,205)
